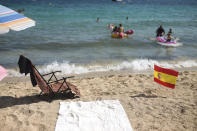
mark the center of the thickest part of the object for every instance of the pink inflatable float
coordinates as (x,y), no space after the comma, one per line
(129,32)
(163,40)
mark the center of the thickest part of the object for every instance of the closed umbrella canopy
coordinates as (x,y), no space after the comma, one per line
(3,72)
(10,19)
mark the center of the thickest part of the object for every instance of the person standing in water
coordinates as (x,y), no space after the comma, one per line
(121,28)
(160,31)
(121,31)
(127,18)
(97,20)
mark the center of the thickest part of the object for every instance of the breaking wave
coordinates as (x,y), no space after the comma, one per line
(134,65)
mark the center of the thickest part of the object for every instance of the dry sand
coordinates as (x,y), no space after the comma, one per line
(148,105)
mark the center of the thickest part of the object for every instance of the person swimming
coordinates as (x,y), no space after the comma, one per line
(127,18)
(20,11)
(115,29)
(97,20)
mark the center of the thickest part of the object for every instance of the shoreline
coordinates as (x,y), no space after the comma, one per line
(138,66)
(124,72)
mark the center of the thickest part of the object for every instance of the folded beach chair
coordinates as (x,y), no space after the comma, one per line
(47,86)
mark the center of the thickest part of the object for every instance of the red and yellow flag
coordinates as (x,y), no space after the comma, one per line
(166,77)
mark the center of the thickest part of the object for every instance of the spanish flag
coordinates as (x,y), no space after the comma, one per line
(166,77)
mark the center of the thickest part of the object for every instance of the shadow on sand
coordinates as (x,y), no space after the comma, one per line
(147,96)
(9,101)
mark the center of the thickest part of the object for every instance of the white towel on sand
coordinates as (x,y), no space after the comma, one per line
(106,115)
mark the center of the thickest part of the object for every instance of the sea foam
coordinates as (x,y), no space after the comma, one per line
(134,65)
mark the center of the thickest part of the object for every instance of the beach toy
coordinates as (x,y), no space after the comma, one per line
(117,35)
(121,35)
(129,32)
(163,40)
(170,42)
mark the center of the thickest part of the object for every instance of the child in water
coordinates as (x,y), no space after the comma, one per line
(169,35)
(97,20)
(169,38)
(115,29)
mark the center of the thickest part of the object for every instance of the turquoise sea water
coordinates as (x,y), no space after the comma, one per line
(67,36)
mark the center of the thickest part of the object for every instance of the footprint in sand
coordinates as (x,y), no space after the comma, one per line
(16,122)
(106,93)
(27,112)
(40,113)
(39,127)
(138,114)
(185,83)
(131,106)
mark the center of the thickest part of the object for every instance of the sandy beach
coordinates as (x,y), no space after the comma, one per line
(148,105)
